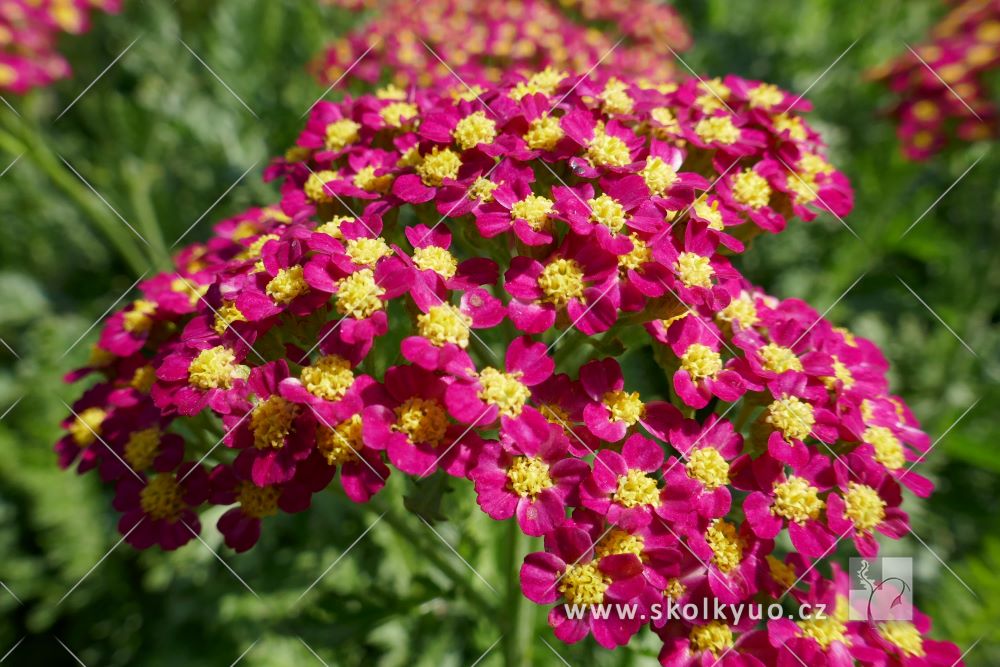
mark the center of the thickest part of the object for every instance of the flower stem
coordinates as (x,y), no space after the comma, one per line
(519,612)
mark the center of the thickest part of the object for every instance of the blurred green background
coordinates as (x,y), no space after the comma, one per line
(163,140)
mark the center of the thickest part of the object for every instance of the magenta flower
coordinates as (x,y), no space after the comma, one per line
(411,424)
(160,510)
(611,411)
(867,500)
(622,207)
(700,480)
(188,380)
(569,570)
(794,415)
(272,433)
(623,487)
(699,274)
(528,474)
(574,284)
(446,331)
(240,525)
(702,373)
(795,500)
(481,397)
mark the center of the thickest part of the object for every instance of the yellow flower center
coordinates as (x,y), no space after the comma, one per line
(658,175)
(287,285)
(367,251)
(618,541)
(708,467)
(888,448)
(562,281)
(254,249)
(713,93)
(841,373)
(439,164)
(329,378)
(782,573)
(437,259)
(137,320)
(726,544)
(674,590)
(142,448)
(792,416)
(694,270)
(797,500)
(778,359)
(162,498)
(639,254)
(225,316)
(606,211)
(904,635)
(99,357)
(742,310)
(765,96)
(606,150)
(315,187)
(503,390)
(86,427)
(544,82)
(422,420)
(751,189)
(340,133)
(214,368)
(624,406)
(271,421)
(701,361)
(342,443)
(667,124)
(358,295)
(863,506)
(475,129)
(615,99)
(831,628)
(636,488)
(543,133)
(715,637)
(709,212)
(482,189)
(143,379)
(394,114)
(258,501)
(584,584)
(445,324)
(366,180)
(717,129)
(793,124)
(528,476)
(533,209)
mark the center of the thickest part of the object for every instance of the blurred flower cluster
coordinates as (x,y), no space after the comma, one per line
(446,287)
(28,33)
(942,84)
(423,43)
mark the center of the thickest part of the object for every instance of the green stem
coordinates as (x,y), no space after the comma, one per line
(519,612)
(139,178)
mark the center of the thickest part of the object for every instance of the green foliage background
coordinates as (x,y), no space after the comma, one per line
(162,139)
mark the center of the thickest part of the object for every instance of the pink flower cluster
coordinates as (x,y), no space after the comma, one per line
(445,288)
(942,84)
(423,43)
(28,33)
